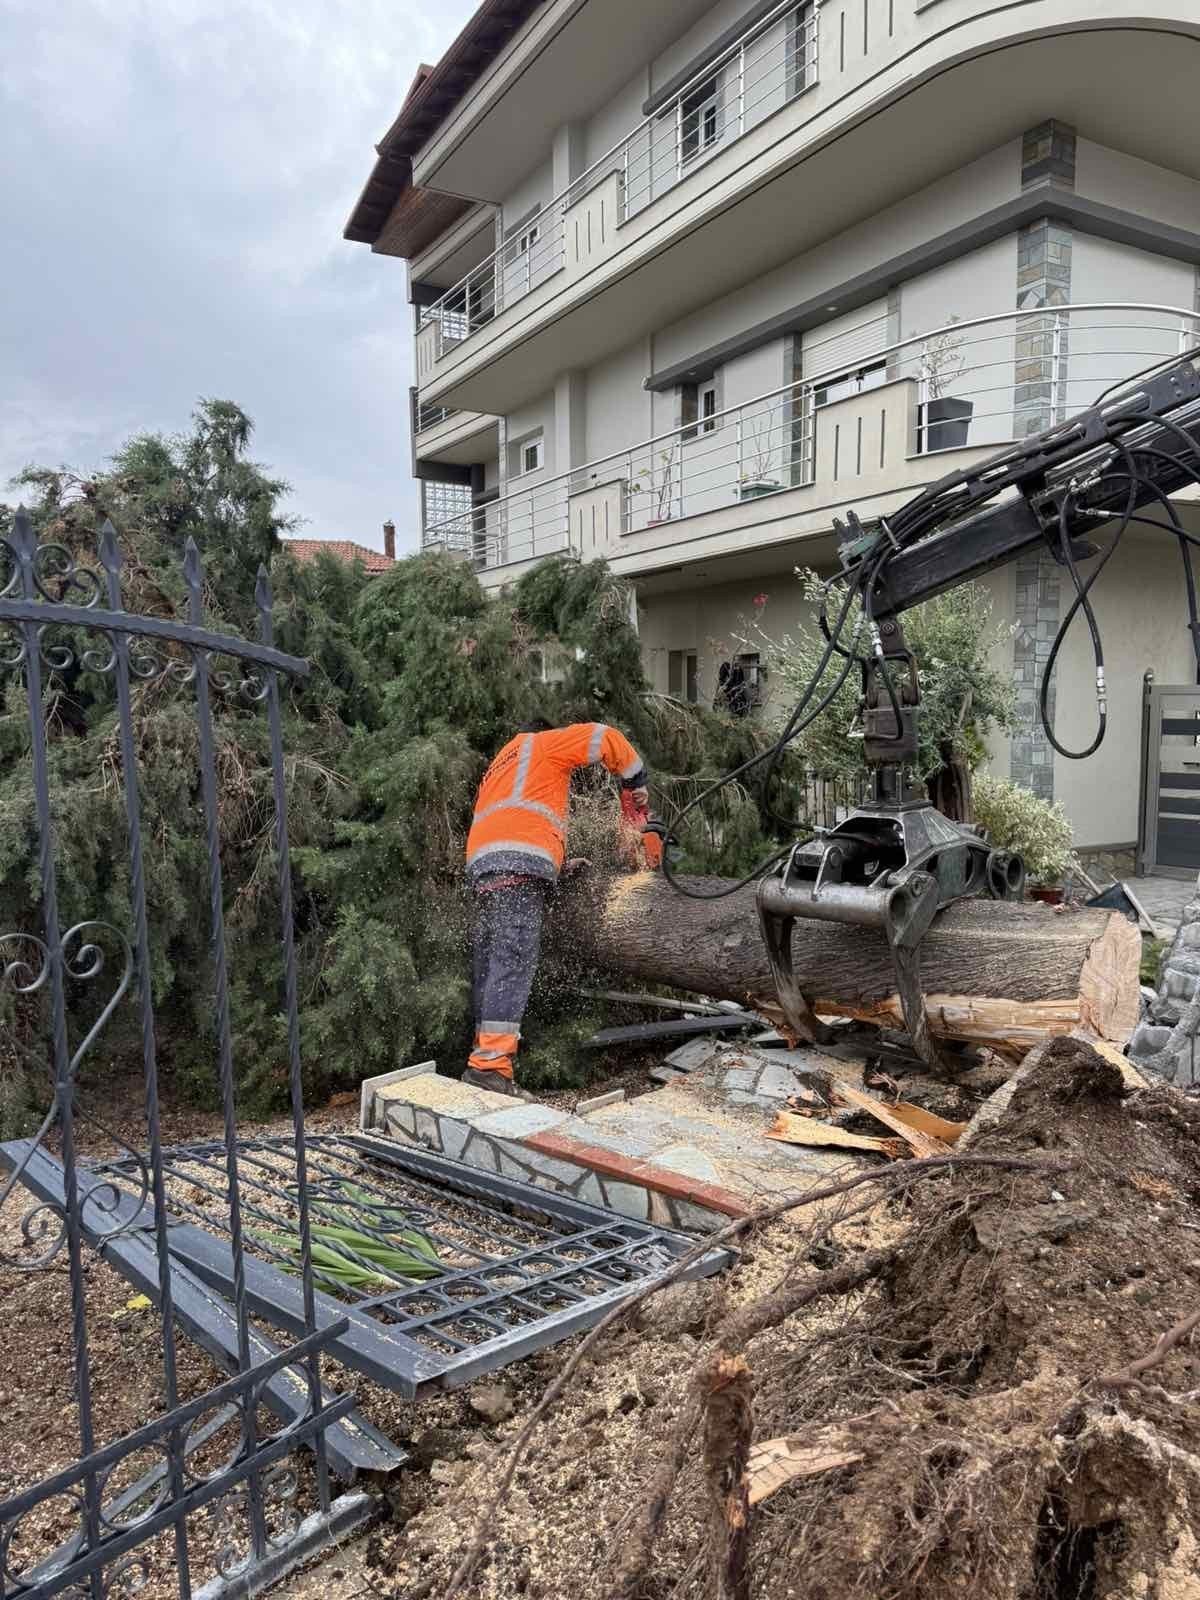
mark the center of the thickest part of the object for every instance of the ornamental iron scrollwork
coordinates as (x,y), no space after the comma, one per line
(61,618)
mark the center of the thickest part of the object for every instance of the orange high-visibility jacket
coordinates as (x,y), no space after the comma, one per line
(520,823)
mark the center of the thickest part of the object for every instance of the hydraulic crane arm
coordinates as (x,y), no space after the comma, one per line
(955,531)
(896,861)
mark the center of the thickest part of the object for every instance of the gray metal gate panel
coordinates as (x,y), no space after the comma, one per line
(52,623)
(354,1444)
(525,1267)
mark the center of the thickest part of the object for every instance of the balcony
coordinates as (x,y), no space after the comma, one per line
(766,69)
(807,135)
(776,469)
(452,436)
(426,417)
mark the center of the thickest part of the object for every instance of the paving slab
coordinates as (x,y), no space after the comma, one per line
(1164,900)
(686,1158)
(688,1057)
(665,1074)
(776,1082)
(515,1121)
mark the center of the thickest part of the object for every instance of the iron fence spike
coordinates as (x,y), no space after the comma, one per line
(111,558)
(264,597)
(193,576)
(23,539)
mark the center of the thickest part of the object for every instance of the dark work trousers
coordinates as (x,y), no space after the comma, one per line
(507,937)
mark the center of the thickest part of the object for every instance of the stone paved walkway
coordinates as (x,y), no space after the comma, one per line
(1164,900)
(688,1155)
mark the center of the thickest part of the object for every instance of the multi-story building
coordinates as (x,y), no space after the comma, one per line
(692,280)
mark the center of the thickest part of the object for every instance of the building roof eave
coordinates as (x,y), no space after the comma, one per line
(434,93)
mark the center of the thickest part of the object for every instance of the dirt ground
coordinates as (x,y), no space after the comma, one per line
(965,1376)
(993,1461)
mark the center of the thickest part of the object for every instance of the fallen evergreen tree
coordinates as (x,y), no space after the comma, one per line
(418,678)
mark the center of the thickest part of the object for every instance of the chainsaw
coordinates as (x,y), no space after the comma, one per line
(653,833)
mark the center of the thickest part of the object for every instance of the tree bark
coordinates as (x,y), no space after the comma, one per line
(1002,974)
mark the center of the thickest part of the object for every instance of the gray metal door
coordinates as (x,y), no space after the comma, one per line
(1170,842)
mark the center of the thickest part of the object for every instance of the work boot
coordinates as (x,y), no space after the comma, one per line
(494,1083)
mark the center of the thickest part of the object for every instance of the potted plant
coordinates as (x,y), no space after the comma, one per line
(755,481)
(945,419)
(1016,819)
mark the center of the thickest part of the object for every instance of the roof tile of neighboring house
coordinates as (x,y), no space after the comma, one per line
(374,561)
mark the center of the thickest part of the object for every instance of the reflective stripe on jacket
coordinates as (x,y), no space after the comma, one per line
(520,820)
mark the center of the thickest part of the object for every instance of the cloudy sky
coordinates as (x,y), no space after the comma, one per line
(174,181)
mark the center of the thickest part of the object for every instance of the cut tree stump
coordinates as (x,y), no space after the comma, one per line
(1002,974)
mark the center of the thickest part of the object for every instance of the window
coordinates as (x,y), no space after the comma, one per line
(683,678)
(802,49)
(520,252)
(856,381)
(755,675)
(698,407)
(699,120)
(446,513)
(530,456)
(708,406)
(741,685)
(485,530)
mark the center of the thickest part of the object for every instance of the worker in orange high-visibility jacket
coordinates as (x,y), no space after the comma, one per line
(515,852)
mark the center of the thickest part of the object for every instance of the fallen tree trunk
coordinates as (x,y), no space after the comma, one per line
(1005,975)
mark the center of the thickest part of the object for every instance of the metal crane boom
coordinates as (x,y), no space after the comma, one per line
(895,861)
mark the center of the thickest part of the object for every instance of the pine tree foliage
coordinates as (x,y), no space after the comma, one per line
(417,679)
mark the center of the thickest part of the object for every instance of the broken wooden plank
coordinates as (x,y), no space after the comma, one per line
(928,1122)
(774,1463)
(790,1128)
(922,1144)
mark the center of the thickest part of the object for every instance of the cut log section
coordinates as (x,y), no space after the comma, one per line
(1002,974)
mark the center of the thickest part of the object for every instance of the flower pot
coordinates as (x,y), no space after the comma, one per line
(657,522)
(946,423)
(756,487)
(1048,896)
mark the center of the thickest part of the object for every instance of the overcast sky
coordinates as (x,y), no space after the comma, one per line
(175,178)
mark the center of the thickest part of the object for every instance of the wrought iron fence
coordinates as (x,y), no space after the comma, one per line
(85,1529)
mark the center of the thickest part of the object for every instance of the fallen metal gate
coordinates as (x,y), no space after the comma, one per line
(1170,806)
(76,1530)
(518,1268)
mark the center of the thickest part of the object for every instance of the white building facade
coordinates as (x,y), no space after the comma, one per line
(692,281)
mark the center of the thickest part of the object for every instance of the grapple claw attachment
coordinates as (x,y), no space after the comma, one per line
(889,866)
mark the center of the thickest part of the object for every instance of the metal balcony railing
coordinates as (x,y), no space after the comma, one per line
(757,75)
(981,383)
(428,415)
